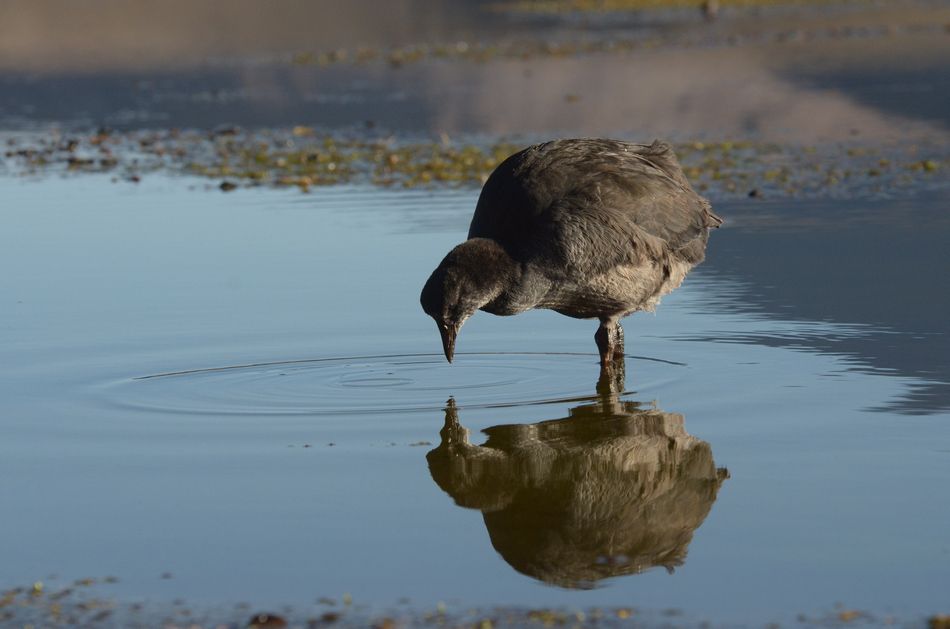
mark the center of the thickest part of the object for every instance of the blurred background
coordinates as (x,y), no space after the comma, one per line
(802,71)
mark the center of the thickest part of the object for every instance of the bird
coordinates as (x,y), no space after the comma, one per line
(590,228)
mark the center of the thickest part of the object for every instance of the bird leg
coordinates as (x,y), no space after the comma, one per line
(609,338)
(612,382)
(618,343)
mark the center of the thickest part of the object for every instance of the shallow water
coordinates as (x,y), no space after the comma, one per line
(242,391)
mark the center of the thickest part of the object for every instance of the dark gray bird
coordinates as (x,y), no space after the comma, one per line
(592,229)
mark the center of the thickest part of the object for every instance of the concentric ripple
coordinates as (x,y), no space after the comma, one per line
(370,384)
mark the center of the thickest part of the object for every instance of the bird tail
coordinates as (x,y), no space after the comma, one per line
(660,156)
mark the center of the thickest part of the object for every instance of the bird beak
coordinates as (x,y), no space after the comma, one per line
(448,332)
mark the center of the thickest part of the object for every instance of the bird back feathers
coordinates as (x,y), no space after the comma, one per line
(588,205)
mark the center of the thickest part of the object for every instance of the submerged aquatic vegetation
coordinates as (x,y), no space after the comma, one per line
(296,158)
(299,157)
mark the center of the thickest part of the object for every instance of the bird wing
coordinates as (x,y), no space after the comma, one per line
(588,205)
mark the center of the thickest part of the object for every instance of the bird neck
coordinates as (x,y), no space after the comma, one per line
(506,287)
(489,269)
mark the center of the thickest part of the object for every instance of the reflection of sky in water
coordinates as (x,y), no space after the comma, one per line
(871,272)
(827,501)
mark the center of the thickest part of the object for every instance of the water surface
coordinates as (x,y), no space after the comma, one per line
(242,393)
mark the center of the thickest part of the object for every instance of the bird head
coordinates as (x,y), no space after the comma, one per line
(470,276)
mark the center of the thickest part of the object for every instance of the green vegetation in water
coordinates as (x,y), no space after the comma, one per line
(301,158)
(305,161)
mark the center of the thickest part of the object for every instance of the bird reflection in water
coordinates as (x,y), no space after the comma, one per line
(615,488)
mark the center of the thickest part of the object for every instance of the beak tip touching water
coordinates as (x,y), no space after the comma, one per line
(448,340)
